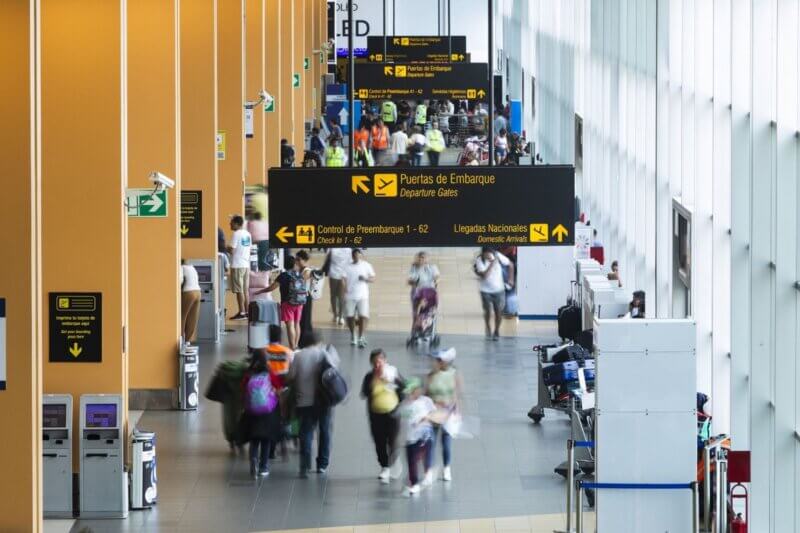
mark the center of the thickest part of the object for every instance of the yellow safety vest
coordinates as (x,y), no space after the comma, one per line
(334,157)
(388,111)
(422,114)
(436,140)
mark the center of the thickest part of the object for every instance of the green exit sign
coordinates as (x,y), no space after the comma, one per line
(144,203)
(306,63)
(296,80)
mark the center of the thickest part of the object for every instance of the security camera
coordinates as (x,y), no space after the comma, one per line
(161,182)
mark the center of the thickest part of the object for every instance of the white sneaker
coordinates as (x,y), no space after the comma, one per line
(396,470)
(446,474)
(428,480)
(362,342)
(411,491)
(384,475)
(354,341)
(341,321)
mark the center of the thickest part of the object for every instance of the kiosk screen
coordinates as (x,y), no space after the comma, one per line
(205,273)
(54,415)
(101,415)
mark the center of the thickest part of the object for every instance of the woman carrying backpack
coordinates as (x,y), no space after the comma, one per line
(294,294)
(261,415)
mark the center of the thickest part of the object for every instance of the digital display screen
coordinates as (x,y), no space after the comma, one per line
(54,415)
(101,415)
(205,274)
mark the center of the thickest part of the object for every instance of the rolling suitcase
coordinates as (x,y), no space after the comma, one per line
(560,373)
(569,322)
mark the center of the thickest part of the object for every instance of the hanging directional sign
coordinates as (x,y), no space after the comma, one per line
(145,203)
(441,206)
(455,81)
(191,214)
(296,80)
(269,103)
(76,327)
(417,49)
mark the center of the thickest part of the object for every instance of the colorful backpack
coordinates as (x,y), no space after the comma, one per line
(261,397)
(298,292)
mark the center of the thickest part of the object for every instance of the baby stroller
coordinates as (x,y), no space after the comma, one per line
(424,329)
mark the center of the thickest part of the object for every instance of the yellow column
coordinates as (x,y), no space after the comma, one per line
(254,39)
(20,283)
(198,119)
(298,52)
(273,85)
(286,50)
(84,175)
(308,53)
(153,243)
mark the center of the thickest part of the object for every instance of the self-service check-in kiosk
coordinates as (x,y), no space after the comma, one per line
(57,455)
(208,324)
(103,483)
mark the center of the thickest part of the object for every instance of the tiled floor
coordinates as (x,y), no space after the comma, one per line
(506,471)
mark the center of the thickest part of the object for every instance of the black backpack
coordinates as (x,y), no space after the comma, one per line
(332,385)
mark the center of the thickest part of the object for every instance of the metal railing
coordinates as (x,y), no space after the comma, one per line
(571,445)
(693,486)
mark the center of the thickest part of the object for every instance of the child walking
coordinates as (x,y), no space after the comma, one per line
(417,411)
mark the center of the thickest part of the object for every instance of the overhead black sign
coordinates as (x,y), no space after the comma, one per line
(76,327)
(417,49)
(422,206)
(454,81)
(191,214)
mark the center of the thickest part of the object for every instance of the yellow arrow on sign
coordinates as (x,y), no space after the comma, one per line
(388,71)
(396,41)
(75,350)
(481,93)
(284,234)
(359,183)
(560,232)
(184,230)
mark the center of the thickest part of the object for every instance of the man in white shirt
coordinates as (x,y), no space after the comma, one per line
(337,261)
(239,250)
(489,268)
(399,141)
(358,275)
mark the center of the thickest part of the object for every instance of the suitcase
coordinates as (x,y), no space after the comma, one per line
(569,322)
(258,281)
(560,373)
(573,352)
(588,370)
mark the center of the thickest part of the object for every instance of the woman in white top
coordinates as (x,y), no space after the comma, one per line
(190,302)
(417,143)
(501,146)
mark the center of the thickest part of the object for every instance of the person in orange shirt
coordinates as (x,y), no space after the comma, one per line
(380,141)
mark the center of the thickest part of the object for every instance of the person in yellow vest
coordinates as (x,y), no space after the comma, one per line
(389,114)
(421,115)
(334,154)
(436,144)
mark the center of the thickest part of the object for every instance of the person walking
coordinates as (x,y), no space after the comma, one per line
(262,417)
(259,231)
(489,269)
(293,287)
(398,144)
(389,113)
(380,142)
(435,141)
(358,275)
(335,266)
(444,387)
(239,250)
(381,388)
(190,302)
(417,411)
(316,145)
(417,143)
(421,115)
(335,156)
(304,374)
(501,146)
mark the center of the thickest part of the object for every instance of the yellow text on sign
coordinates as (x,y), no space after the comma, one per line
(386,185)
(305,235)
(540,233)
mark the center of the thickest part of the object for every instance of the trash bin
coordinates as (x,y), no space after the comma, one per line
(190,379)
(144,481)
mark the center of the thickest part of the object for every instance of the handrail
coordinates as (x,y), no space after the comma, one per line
(693,486)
